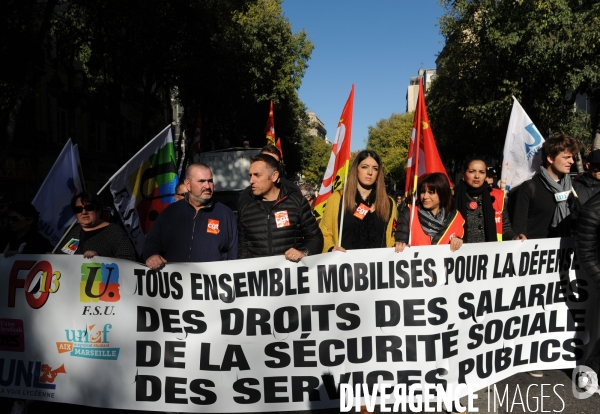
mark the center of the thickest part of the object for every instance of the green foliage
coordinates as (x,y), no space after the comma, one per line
(543,52)
(390,138)
(315,153)
(228,58)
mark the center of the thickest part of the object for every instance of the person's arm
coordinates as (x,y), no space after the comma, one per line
(390,230)
(587,242)
(153,244)
(521,208)
(402,227)
(232,252)
(329,222)
(312,237)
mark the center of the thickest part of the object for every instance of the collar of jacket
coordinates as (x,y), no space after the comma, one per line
(284,192)
(207,207)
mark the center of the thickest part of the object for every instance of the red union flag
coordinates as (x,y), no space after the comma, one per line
(278,145)
(270,128)
(423,156)
(337,168)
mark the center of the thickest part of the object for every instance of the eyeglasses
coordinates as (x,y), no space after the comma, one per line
(16,219)
(87,207)
(181,194)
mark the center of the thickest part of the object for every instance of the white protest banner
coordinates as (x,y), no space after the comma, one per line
(261,335)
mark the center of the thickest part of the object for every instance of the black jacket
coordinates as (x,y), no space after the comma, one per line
(259,235)
(585,187)
(182,234)
(532,207)
(587,238)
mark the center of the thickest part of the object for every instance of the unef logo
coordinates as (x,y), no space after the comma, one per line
(89,343)
(39,283)
(99,282)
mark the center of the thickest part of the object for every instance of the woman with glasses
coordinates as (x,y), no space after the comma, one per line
(92,235)
(24,238)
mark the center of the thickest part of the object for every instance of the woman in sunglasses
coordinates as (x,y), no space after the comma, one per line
(92,235)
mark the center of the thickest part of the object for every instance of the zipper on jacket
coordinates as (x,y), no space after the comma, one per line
(193,232)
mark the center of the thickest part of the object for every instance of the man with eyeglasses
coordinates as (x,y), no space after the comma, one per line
(180,192)
(195,229)
(23,222)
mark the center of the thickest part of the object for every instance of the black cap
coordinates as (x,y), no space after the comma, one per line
(594,157)
(491,172)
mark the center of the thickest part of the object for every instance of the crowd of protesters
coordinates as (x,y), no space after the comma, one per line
(275,217)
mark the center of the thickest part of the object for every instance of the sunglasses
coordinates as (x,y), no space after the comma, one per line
(87,207)
(16,219)
(181,194)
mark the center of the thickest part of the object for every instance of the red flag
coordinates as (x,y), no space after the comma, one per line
(337,168)
(197,135)
(423,156)
(278,145)
(270,128)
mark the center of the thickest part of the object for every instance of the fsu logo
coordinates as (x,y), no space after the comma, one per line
(99,282)
(39,283)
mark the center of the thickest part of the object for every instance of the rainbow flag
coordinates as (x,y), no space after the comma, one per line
(145,186)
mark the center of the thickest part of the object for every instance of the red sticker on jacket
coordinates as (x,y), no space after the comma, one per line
(213,226)
(361,211)
(282,219)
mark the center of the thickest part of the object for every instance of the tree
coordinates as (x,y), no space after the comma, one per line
(227,57)
(544,52)
(314,153)
(390,138)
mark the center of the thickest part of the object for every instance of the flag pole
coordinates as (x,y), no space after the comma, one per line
(416,164)
(346,168)
(343,206)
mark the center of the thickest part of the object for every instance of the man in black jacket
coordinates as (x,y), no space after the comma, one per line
(588,183)
(274,218)
(542,206)
(195,229)
(587,238)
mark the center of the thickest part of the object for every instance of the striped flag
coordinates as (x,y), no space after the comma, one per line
(145,186)
(337,168)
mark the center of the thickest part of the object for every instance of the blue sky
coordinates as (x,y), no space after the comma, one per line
(377,45)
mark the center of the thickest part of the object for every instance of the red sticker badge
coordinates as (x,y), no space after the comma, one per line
(282,219)
(361,211)
(213,226)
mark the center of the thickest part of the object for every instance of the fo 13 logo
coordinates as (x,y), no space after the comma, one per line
(39,283)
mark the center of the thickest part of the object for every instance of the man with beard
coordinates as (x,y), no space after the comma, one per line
(197,229)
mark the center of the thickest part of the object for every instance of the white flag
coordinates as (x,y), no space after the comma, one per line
(522,157)
(53,199)
(145,186)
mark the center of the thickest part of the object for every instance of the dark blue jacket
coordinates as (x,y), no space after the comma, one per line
(182,234)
